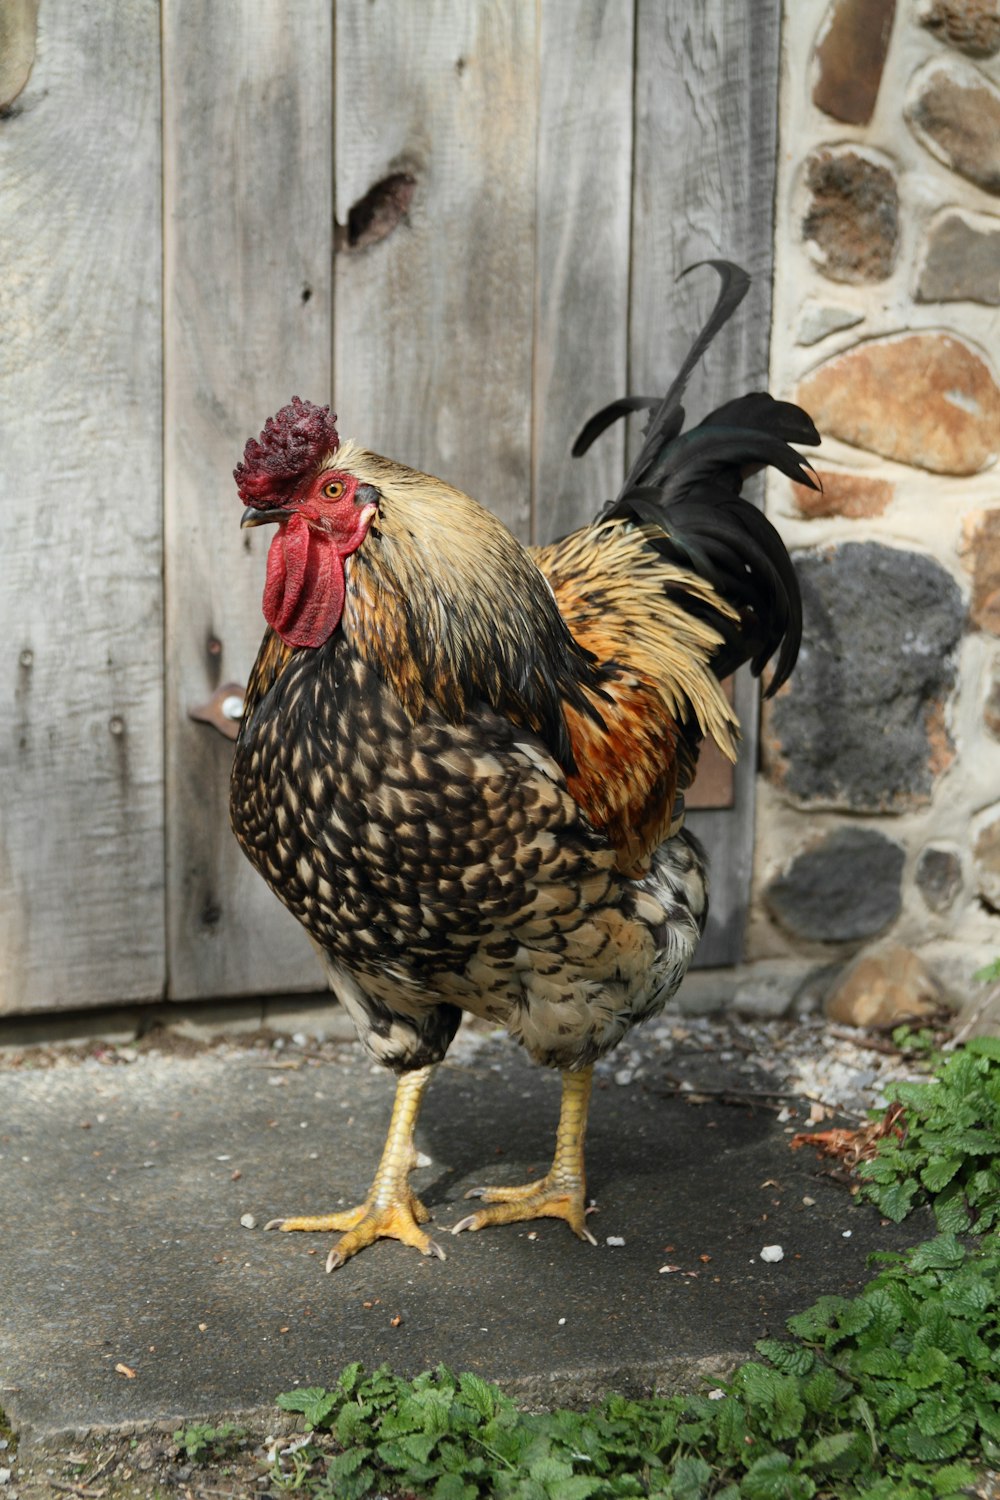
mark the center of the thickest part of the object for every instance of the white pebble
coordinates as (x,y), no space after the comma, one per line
(624,1076)
(614,1239)
(423,1160)
(772,1253)
(561,1322)
(845,1234)
(248,1221)
(717,1395)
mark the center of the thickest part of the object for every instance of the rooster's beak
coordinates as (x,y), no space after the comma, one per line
(252,517)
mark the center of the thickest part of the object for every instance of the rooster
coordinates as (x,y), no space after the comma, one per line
(462,761)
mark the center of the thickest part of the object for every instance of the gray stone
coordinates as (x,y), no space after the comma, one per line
(986,858)
(972,26)
(962,260)
(861,723)
(954,110)
(939,877)
(818,321)
(853,216)
(845,889)
(991,708)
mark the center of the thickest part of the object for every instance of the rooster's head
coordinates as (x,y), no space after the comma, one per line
(289,475)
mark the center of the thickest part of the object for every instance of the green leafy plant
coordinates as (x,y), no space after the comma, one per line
(944,1147)
(201,1441)
(886,1396)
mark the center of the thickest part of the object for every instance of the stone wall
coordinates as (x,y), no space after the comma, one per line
(878,815)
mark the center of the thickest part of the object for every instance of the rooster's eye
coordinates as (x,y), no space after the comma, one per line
(334,489)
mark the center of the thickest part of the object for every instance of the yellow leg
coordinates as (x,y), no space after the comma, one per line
(562,1192)
(391,1210)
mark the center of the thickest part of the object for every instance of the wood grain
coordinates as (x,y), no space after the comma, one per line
(433,326)
(584,212)
(705,162)
(81,826)
(249,237)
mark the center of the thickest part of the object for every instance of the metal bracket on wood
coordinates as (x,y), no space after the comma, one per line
(224,709)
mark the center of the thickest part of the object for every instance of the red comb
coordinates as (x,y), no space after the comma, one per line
(290,446)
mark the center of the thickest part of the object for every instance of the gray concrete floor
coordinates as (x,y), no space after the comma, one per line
(130,1292)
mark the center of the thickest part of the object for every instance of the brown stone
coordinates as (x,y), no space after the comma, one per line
(885,989)
(853,495)
(981,555)
(852,221)
(850,56)
(954,111)
(926,399)
(962,260)
(972,26)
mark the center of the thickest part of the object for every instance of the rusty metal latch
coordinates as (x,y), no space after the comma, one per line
(224,709)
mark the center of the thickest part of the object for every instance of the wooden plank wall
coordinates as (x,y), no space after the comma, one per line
(248,281)
(81,727)
(566,162)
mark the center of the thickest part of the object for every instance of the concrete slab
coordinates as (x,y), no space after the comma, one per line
(130,1292)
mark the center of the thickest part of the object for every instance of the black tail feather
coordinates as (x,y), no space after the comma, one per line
(687,486)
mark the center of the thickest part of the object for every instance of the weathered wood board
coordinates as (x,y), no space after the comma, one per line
(584,214)
(706,93)
(433,326)
(81,731)
(248,245)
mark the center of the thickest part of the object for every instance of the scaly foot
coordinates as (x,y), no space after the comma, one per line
(555,1196)
(366,1224)
(562,1192)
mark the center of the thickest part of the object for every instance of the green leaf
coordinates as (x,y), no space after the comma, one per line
(690,1478)
(896,1200)
(953,1478)
(950,1212)
(771,1478)
(986,1046)
(480,1396)
(838,1450)
(824,1390)
(452,1487)
(579,1487)
(939,1171)
(790,1359)
(312,1401)
(943,1252)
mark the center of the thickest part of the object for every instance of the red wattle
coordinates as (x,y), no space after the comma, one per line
(304,589)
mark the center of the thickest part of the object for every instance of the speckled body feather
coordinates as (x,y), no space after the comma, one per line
(440,863)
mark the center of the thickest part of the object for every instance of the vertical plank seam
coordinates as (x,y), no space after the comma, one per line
(164,585)
(630,259)
(332,330)
(534,424)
